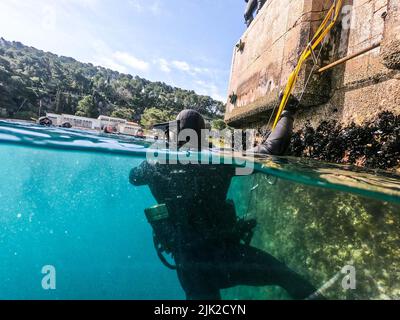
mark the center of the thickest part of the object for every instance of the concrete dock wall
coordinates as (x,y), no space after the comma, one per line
(356,91)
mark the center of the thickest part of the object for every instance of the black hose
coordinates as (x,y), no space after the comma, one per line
(160,255)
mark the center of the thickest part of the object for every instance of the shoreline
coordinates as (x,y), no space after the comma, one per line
(375,145)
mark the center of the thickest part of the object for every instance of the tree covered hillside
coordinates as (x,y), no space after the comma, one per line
(33,81)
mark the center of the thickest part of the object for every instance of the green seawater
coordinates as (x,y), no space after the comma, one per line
(66,202)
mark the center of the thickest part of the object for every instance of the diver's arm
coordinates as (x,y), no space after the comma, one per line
(279,140)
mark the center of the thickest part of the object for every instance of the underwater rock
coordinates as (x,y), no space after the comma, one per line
(375,145)
(316,232)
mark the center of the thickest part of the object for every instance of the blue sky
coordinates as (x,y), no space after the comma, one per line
(185,43)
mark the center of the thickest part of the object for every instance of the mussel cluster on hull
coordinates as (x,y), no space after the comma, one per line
(374,145)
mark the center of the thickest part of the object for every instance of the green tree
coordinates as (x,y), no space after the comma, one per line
(59,102)
(152,116)
(87,108)
(124,113)
(218,124)
(30,74)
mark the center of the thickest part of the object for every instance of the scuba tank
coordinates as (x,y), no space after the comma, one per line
(164,231)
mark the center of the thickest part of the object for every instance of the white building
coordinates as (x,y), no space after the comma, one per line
(55,118)
(122,125)
(129,128)
(105,121)
(75,121)
(3,112)
(82,122)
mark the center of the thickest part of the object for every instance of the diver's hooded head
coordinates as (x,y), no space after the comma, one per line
(191,120)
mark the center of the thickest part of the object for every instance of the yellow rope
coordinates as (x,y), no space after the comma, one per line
(319,36)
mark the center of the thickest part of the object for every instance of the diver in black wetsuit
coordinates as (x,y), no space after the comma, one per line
(198,226)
